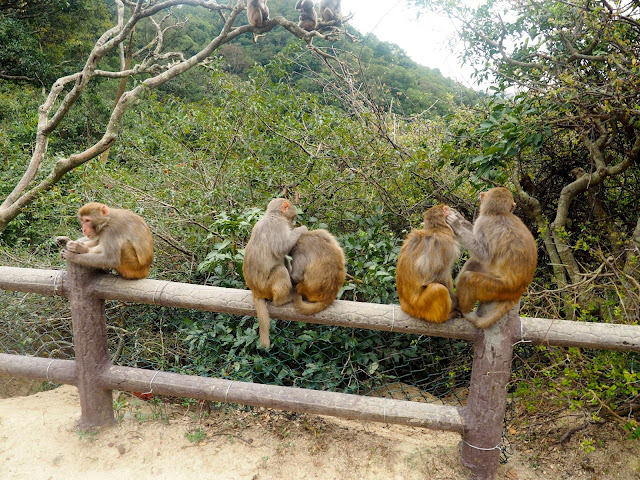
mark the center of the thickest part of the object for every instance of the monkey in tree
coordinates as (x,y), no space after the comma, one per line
(502,262)
(308,17)
(257,13)
(113,238)
(330,11)
(264,268)
(317,271)
(423,273)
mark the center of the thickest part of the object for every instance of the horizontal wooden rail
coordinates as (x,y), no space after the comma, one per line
(219,390)
(38,368)
(540,331)
(285,398)
(567,333)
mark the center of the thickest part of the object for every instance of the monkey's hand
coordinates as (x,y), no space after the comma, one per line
(62,241)
(457,221)
(76,247)
(297,232)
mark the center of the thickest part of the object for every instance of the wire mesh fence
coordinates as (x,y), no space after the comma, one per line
(357,361)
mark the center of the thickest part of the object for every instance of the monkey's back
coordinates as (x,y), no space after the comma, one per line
(514,251)
(318,264)
(136,250)
(423,273)
(427,256)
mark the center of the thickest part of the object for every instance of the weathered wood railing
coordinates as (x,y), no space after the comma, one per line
(479,422)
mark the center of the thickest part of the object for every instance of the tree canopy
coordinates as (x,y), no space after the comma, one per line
(563,128)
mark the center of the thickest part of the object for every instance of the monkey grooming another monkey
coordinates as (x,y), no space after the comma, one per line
(423,273)
(257,13)
(503,258)
(264,270)
(317,271)
(330,11)
(114,238)
(308,17)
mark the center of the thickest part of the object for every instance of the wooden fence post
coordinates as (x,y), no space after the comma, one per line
(487,402)
(90,341)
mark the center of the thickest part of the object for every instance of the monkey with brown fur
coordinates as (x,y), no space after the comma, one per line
(264,269)
(114,238)
(502,262)
(257,13)
(308,17)
(330,11)
(423,273)
(317,271)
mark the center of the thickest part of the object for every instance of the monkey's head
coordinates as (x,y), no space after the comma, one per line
(497,201)
(578,172)
(282,206)
(93,218)
(435,217)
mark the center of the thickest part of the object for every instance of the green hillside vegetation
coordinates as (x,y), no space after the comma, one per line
(39,37)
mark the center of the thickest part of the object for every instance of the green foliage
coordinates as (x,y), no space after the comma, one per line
(21,55)
(43,39)
(315,356)
(190,163)
(196,436)
(372,251)
(633,428)
(579,379)
(505,132)
(87,434)
(223,264)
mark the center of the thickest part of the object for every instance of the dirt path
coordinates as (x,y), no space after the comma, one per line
(39,440)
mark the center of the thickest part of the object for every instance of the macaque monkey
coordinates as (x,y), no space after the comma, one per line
(330,11)
(113,238)
(308,17)
(423,274)
(502,262)
(264,269)
(257,13)
(317,271)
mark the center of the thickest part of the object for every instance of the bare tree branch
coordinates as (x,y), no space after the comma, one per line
(159,65)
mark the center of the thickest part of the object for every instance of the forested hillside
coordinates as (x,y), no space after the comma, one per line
(42,41)
(181,117)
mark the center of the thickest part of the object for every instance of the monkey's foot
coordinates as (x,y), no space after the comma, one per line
(474,319)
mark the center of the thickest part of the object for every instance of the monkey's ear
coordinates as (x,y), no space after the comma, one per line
(285,206)
(513,206)
(445,210)
(482,196)
(104,210)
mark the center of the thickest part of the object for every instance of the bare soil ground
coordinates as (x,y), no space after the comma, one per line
(39,439)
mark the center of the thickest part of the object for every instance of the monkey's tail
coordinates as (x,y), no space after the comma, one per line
(264,321)
(309,308)
(494,312)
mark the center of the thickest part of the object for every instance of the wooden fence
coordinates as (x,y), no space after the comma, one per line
(480,422)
